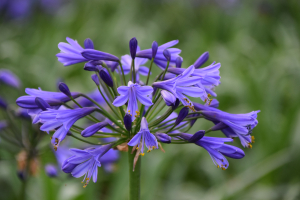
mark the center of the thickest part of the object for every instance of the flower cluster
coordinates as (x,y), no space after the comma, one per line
(134,113)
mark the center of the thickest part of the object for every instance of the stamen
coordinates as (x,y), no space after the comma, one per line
(252,139)
(142,154)
(218,166)
(249,145)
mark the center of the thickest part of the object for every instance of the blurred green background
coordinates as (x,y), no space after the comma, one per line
(257,43)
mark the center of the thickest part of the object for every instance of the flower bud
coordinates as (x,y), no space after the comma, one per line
(182,114)
(3,104)
(41,103)
(167,54)
(201,60)
(218,126)
(154,49)
(64,89)
(168,97)
(127,121)
(68,167)
(51,170)
(133,46)
(106,78)
(197,136)
(177,102)
(91,130)
(92,66)
(192,122)
(88,44)
(178,62)
(95,79)
(162,137)
(214,103)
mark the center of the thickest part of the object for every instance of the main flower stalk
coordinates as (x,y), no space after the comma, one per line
(134,176)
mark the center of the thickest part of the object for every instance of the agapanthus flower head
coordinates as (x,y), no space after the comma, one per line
(9,78)
(144,137)
(85,162)
(133,93)
(71,53)
(183,85)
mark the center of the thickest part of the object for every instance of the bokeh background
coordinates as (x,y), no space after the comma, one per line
(257,43)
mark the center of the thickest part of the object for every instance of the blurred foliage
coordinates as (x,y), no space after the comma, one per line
(257,43)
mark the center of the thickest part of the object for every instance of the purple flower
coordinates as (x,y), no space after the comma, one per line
(96,96)
(9,78)
(3,103)
(238,125)
(144,137)
(209,78)
(133,43)
(201,60)
(85,162)
(217,149)
(183,85)
(160,60)
(91,130)
(138,62)
(64,119)
(133,93)
(162,137)
(92,54)
(52,98)
(71,53)
(51,170)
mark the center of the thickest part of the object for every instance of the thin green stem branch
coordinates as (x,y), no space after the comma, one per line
(149,72)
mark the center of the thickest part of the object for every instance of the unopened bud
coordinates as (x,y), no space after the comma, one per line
(106,78)
(162,137)
(127,121)
(41,103)
(88,44)
(197,136)
(201,60)
(167,54)
(95,79)
(64,89)
(132,47)
(182,114)
(154,49)
(178,62)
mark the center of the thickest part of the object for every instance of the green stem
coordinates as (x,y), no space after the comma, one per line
(124,80)
(134,176)
(133,71)
(149,71)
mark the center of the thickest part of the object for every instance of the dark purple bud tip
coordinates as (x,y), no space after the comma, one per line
(92,66)
(67,167)
(41,103)
(127,121)
(201,60)
(95,79)
(178,62)
(88,44)
(91,130)
(133,46)
(162,137)
(177,102)
(167,54)
(182,114)
(64,89)
(106,78)
(154,49)
(3,104)
(218,126)
(197,136)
